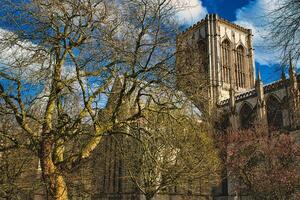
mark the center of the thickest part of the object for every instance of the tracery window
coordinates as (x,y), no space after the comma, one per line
(240,69)
(247,116)
(226,61)
(274,113)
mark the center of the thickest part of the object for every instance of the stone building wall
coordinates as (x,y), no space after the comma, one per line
(204,41)
(201,76)
(276,105)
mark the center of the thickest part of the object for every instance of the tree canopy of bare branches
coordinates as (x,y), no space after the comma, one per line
(59,62)
(171,150)
(263,165)
(284,28)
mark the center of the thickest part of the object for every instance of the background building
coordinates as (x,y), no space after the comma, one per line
(215,63)
(219,52)
(215,66)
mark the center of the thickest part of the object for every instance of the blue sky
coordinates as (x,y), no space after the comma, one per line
(248,13)
(225,8)
(231,10)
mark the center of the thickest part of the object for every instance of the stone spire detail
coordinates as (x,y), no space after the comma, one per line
(258,76)
(232,98)
(294,96)
(233,115)
(259,86)
(261,103)
(293,76)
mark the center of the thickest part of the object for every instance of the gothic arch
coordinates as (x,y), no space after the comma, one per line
(240,71)
(226,37)
(274,112)
(240,43)
(226,57)
(247,115)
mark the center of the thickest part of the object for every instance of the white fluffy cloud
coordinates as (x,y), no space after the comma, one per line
(21,58)
(255,16)
(190,11)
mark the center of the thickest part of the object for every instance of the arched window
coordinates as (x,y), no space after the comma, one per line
(240,70)
(201,52)
(274,113)
(226,61)
(247,116)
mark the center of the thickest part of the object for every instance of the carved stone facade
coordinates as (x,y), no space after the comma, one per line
(229,72)
(275,105)
(214,62)
(226,58)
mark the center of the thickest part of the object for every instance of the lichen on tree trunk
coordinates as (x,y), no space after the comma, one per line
(61,192)
(55,183)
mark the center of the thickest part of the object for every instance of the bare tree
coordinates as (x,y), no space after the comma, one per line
(170,152)
(262,164)
(16,163)
(284,27)
(58,63)
(191,62)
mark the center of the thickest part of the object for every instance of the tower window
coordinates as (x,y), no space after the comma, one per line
(240,70)
(226,61)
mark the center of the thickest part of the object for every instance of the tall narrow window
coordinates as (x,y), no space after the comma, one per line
(247,116)
(274,113)
(240,70)
(226,61)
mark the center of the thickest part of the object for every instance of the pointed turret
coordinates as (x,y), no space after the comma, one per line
(259,86)
(293,76)
(231,97)
(233,114)
(283,76)
(261,104)
(117,86)
(258,75)
(294,97)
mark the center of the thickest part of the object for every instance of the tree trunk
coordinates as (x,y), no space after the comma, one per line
(149,196)
(55,184)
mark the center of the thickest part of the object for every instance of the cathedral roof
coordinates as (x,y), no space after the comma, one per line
(201,22)
(277,85)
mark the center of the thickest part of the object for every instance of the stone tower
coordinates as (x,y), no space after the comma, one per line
(215,53)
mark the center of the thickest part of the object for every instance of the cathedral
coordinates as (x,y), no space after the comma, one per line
(222,52)
(216,69)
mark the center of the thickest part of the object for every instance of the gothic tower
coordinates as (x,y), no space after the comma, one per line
(218,54)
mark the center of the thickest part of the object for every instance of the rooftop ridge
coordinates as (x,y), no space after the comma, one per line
(267,88)
(217,17)
(235,25)
(192,26)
